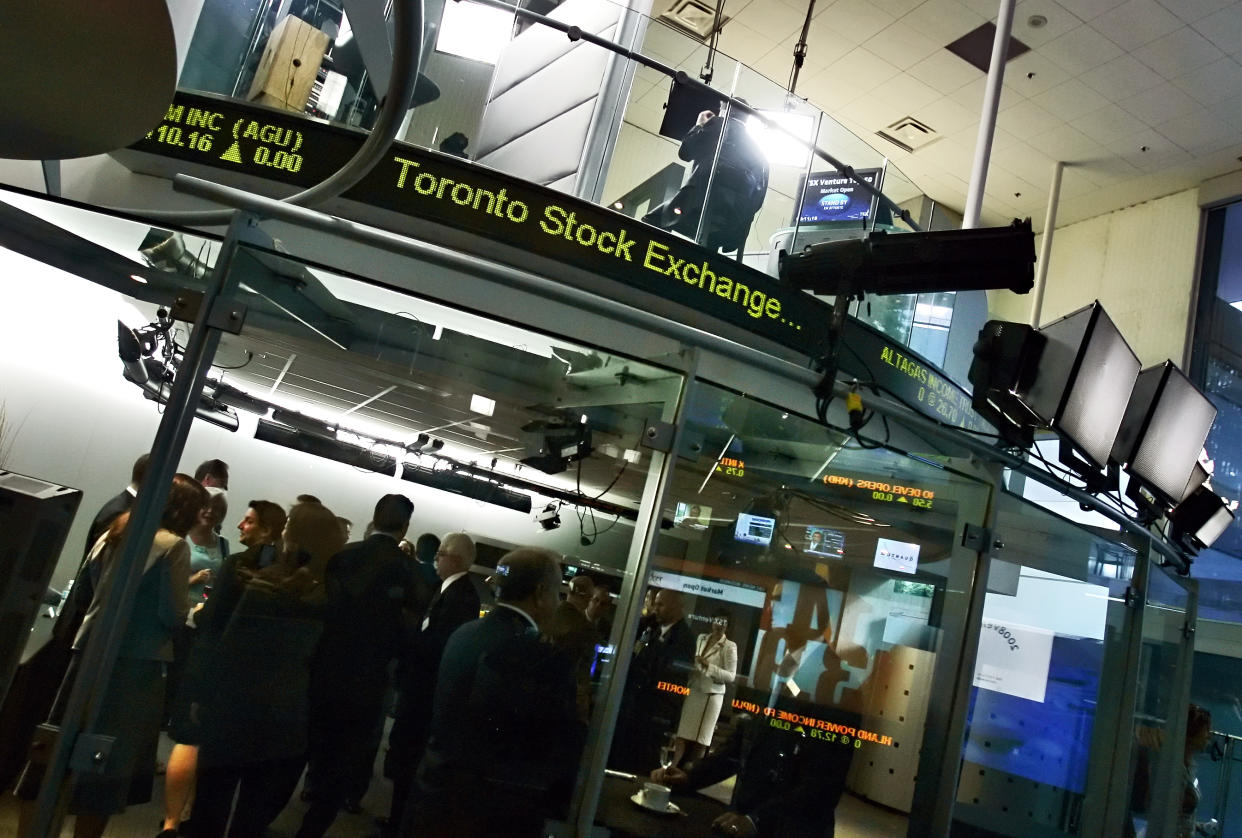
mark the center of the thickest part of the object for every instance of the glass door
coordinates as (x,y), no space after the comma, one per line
(1162,780)
(802,619)
(1051,652)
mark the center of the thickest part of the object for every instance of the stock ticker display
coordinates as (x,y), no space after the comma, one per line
(228,135)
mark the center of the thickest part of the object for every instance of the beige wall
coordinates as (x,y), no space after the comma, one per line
(1140,262)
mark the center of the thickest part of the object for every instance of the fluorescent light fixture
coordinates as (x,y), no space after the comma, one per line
(781,148)
(474,31)
(482,404)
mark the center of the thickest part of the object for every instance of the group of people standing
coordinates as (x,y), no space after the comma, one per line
(283,658)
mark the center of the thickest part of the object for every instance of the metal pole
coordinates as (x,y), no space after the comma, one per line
(629,604)
(74,741)
(987,119)
(1045,246)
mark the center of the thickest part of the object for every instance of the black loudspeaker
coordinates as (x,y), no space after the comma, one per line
(35,517)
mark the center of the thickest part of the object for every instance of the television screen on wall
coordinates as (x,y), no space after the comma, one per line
(832,196)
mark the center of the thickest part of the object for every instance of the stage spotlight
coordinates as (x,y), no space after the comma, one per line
(1162,432)
(418,444)
(554,446)
(915,263)
(549,518)
(1081,387)
(1200,519)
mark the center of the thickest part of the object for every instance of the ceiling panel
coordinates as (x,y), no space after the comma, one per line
(1103,79)
(902,45)
(1224,28)
(1135,23)
(1121,78)
(1081,49)
(1178,52)
(944,21)
(849,21)
(1159,104)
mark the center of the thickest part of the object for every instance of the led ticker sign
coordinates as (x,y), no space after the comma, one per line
(231,135)
(246,139)
(731,467)
(883,491)
(811,727)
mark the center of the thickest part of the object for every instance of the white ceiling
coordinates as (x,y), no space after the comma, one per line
(1104,79)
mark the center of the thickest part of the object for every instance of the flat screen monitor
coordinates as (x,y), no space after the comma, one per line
(693,515)
(754,529)
(822,541)
(832,196)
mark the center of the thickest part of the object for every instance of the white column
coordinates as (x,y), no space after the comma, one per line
(1045,247)
(987,118)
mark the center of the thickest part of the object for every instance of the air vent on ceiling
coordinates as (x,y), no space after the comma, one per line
(908,134)
(693,16)
(975,47)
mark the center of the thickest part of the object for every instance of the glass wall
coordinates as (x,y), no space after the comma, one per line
(1054,628)
(518,96)
(749,618)
(795,616)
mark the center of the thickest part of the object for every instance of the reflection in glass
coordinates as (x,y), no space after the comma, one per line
(1051,618)
(832,588)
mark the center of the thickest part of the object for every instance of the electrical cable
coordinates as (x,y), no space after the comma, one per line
(249,358)
(407,56)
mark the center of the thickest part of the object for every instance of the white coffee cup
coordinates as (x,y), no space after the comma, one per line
(655,796)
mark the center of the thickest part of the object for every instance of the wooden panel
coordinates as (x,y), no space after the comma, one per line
(294,51)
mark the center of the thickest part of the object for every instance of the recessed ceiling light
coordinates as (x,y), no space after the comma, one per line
(1037,21)
(137,278)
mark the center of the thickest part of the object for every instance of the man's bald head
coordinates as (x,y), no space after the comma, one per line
(529,578)
(455,555)
(670,606)
(580,590)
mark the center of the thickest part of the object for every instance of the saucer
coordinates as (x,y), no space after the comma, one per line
(673,808)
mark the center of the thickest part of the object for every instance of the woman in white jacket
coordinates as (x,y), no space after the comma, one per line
(715,665)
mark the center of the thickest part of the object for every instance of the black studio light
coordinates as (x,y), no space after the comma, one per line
(552,446)
(1073,376)
(915,263)
(1082,386)
(1001,374)
(1200,519)
(549,518)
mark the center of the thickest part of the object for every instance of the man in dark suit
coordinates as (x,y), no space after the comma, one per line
(735,168)
(663,659)
(788,783)
(372,599)
(122,502)
(571,630)
(504,741)
(456,603)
